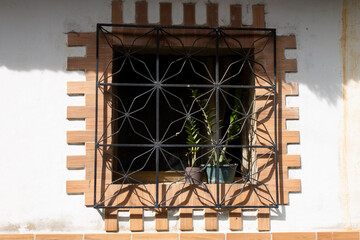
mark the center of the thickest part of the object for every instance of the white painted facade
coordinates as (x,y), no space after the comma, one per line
(33,101)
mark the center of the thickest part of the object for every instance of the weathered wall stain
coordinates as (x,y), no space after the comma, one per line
(38,225)
(351,127)
(10,227)
(45,224)
(343,165)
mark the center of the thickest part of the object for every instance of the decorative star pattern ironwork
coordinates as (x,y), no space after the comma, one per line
(162,81)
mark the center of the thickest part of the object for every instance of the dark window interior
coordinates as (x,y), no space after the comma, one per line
(140,101)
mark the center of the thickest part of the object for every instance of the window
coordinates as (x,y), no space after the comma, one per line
(176,97)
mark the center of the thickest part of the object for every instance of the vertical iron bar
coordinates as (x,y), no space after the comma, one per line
(217,117)
(157,115)
(275,119)
(96,108)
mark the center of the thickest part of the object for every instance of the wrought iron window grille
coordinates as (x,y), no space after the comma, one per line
(171,97)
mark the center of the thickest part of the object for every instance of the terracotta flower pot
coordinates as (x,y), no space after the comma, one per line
(194,175)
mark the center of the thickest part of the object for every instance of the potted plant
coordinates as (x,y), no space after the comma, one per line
(193,171)
(226,169)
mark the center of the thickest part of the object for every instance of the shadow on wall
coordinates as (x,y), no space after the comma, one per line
(33,36)
(318,30)
(33,33)
(328,51)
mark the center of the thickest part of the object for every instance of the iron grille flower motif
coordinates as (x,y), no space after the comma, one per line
(145,114)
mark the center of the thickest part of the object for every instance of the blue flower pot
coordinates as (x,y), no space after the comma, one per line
(226,173)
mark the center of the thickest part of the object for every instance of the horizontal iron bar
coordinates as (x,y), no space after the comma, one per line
(183,85)
(184,27)
(182,145)
(172,207)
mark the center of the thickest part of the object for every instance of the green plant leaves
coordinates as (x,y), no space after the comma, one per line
(210,119)
(193,138)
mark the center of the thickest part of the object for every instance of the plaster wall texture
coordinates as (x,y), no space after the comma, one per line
(351,79)
(33,126)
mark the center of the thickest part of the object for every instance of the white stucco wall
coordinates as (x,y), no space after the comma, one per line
(33,57)
(33,101)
